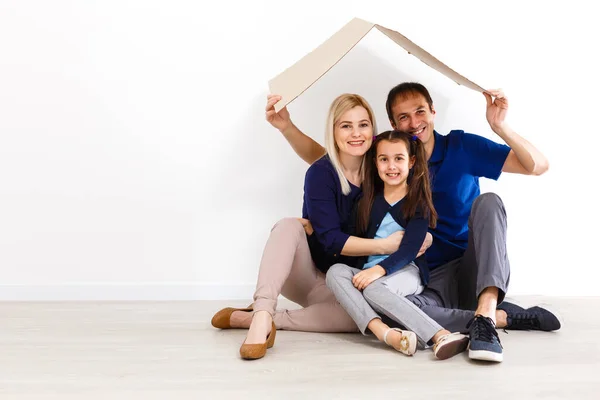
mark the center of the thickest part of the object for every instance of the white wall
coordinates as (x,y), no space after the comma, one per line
(135,162)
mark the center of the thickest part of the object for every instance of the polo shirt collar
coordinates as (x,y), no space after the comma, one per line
(439,148)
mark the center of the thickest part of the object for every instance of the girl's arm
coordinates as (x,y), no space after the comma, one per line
(416,230)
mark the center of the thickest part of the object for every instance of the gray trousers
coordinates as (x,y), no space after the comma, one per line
(454,288)
(383,297)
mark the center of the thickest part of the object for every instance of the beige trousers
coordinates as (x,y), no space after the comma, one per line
(287,268)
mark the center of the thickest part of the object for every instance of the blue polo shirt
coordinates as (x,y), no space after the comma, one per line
(458,160)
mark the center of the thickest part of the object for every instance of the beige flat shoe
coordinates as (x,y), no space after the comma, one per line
(450,345)
(408,343)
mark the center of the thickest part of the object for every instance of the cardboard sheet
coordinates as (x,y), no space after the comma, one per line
(292,82)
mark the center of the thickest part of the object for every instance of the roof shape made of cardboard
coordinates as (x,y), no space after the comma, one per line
(292,82)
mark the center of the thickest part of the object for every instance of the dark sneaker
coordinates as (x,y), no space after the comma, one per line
(534,318)
(484,342)
(510,308)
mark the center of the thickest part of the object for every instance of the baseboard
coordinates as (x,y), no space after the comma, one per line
(170,291)
(126,292)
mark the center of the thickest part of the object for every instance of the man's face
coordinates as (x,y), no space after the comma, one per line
(412,114)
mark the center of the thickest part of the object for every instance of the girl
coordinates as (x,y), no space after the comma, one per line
(396,197)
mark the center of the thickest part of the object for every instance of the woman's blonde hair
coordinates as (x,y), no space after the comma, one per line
(339,106)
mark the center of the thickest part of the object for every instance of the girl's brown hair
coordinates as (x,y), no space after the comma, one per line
(419,186)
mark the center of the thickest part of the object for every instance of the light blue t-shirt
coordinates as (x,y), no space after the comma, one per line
(386,228)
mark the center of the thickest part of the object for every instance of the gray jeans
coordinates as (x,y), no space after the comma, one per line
(383,297)
(454,288)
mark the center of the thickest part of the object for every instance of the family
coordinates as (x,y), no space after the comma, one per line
(395,238)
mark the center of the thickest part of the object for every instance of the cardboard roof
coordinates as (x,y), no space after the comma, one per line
(292,82)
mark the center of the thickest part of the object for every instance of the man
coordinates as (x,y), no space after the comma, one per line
(469,266)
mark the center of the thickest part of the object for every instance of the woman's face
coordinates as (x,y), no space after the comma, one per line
(353,132)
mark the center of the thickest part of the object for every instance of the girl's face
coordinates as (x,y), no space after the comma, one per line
(393,162)
(353,132)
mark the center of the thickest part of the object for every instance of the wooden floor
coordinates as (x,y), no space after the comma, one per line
(168,350)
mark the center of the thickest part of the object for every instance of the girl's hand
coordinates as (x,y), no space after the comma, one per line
(365,277)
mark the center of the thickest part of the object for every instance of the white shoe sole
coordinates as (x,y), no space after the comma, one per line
(485,355)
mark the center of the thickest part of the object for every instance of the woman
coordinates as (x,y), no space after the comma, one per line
(294,264)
